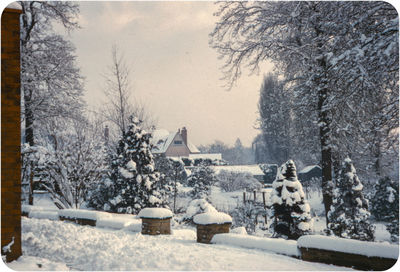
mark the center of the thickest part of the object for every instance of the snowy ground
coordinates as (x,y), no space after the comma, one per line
(90,248)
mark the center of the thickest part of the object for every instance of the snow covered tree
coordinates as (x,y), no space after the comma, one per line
(172,174)
(385,201)
(201,179)
(135,181)
(290,210)
(69,163)
(120,103)
(385,205)
(274,107)
(51,84)
(349,215)
(331,54)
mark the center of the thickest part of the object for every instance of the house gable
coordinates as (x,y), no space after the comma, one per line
(177,147)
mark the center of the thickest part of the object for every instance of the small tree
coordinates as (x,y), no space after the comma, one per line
(69,164)
(201,179)
(290,209)
(385,205)
(133,175)
(349,215)
(172,173)
(385,201)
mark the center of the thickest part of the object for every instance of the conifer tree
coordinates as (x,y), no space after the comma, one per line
(385,205)
(385,202)
(201,180)
(349,215)
(135,181)
(290,210)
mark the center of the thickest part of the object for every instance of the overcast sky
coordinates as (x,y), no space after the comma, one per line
(174,71)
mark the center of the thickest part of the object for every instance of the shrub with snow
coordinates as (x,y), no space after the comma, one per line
(290,210)
(197,206)
(135,181)
(385,205)
(230,181)
(245,215)
(67,166)
(201,179)
(349,215)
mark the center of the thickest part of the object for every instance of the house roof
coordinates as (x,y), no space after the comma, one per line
(162,139)
(254,169)
(192,147)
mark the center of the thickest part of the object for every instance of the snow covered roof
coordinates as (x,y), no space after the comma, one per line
(253,169)
(161,140)
(308,168)
(192,147)
(211,156)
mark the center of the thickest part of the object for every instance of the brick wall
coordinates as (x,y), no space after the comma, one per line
(10,134)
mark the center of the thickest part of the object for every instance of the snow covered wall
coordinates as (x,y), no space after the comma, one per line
(348,252)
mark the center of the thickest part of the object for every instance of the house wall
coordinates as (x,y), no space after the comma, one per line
(10,135)
(177,150)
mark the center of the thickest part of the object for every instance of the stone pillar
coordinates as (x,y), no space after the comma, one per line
(209,224)
(10,135)
(156,221)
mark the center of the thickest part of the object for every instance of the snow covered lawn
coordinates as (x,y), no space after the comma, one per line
(90,248)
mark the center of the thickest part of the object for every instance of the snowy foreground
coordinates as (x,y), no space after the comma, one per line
(89,248)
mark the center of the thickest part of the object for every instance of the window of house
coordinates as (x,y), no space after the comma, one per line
(177,142)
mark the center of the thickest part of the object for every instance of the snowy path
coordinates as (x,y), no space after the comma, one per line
(89,248)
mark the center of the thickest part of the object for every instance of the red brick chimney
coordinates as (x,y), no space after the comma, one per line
(184,134)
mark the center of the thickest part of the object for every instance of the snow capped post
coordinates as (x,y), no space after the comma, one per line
(156,221)
(211,223)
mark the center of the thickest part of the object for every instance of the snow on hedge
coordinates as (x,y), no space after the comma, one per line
(83,214)
(29,208)
(157,213)
(276,245)
(42,214)
(116,222)
(120,221)
(212,218)
(370,249)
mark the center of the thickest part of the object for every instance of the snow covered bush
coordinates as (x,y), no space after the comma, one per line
(385,200)
(246,215)
(349,215)
(135,181)
(385,204)
(290,210)
(201,179)
(69,164)
(230,181)
(197,206)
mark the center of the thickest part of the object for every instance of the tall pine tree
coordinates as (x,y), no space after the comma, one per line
(290,210)
(349,215)
(133,175)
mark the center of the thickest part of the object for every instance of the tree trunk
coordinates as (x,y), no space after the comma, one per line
(29,118)
(326,152)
